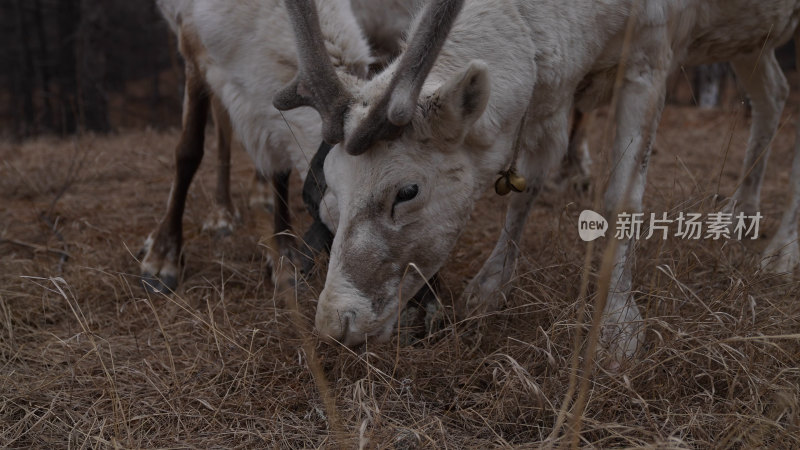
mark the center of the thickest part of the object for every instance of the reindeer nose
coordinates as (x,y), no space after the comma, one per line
(331,324)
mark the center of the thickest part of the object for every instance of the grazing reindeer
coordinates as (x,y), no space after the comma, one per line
(421,141)
(237,55)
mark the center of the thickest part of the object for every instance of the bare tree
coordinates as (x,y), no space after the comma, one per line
(44,65)
(68,18)
(76,64)
(24,80)
(91,68)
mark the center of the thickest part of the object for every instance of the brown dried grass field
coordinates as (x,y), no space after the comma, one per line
(88,359)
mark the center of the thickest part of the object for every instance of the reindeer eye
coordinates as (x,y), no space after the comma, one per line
(406,193)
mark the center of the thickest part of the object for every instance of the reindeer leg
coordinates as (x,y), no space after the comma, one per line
(161,264)
(640,103)
(543,146)
(707,84)
(576,165)
(285,241)
(259,192)
(782,255)
(763,79)
(222,219)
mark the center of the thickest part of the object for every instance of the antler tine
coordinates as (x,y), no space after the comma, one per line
(396,108)
(417,61)
(316,83)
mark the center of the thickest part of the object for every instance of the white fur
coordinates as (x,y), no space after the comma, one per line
(385,23)
(537,55)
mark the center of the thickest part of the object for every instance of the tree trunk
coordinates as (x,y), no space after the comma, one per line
(25,77)
(45,65)
(66,76)
(91,50)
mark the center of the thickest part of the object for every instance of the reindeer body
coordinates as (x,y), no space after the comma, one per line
(239,53)
(522,64)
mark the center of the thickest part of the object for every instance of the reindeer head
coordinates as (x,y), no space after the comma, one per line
(403,187)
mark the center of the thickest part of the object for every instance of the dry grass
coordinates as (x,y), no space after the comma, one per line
(87,359)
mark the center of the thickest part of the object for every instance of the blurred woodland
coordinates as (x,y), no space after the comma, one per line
(86,65)
(71,66)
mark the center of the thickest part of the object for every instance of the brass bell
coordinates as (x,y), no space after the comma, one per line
(517,182)
(502,186)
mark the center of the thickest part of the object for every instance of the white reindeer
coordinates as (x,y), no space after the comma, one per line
(423,140)
(238,54)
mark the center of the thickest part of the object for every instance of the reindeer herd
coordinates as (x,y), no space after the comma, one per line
(425,102)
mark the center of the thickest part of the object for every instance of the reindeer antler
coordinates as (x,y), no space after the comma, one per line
(316,83)
(396,108)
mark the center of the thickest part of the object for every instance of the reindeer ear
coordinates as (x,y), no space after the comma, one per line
(458,103)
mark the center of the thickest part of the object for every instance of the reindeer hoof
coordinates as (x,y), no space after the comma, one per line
(159,267)
(781,256)
(159,284)
(482,295)
(222,221)
(422,315)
